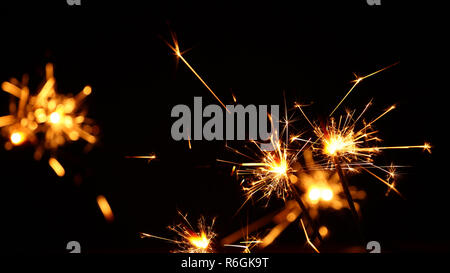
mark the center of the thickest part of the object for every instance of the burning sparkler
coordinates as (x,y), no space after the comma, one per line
(189,240)
(58,118)
(350,144)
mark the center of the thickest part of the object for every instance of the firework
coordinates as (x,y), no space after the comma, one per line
(188,239)
(47,119)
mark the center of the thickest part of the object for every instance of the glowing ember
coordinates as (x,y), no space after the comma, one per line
(17,138)
(105,208)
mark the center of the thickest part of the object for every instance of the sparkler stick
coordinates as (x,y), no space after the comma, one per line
(344,183)
(305,212)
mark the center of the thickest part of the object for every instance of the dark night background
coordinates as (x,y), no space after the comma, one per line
(257,51)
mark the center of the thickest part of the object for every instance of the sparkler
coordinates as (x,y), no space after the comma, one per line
(58,118)
(347,144)
(189,240)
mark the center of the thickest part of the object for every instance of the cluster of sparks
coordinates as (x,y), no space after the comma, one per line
(47,119)
(343,145)
(190,239)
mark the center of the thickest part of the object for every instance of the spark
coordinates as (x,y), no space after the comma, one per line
(247,244)
(176,49)
(357,81)
(149,157)
(17,138)
(105,208)
(56,166)
(323,230)
(189,240)
(345,141)
(268,174)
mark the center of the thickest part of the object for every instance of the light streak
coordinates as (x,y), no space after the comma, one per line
(105,208)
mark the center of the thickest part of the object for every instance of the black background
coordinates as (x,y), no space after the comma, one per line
(257,51)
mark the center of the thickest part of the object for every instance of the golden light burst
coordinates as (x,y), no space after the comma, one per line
(351,143)
(189,239)
(268,173)
(47,119)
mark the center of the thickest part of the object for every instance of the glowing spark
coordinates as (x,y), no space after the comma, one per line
(343,143)
(17,138)
(269,176)
(357,81)
(105,208)
(176,49)
(55,117)
(56,166)
(323,230)
(149,157)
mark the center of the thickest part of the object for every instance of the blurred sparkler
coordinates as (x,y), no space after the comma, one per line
(47,119)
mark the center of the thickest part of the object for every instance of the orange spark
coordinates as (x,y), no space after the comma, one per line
(56,166)
(105,208)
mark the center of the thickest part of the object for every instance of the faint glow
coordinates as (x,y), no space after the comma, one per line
(323,231)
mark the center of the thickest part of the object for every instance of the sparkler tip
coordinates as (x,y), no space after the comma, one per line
(427,147)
